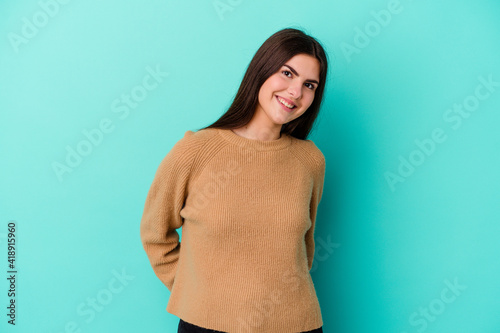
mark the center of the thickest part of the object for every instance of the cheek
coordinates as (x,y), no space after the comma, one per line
(266,89)
(262,92)
(275,83)
(310,99)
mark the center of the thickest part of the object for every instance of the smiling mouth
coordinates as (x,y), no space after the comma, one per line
(285,103)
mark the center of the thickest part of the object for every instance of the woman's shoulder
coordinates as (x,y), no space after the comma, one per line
(186,148)
(197,138)
(190,143)
(309,151)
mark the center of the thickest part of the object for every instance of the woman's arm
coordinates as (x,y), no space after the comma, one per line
(161,216)
(317,193)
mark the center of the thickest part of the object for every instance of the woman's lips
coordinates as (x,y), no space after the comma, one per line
(284,107)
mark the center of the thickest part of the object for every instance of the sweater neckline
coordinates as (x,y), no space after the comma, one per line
(260,145)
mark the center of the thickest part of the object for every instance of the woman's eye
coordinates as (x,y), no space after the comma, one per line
(289,74)
(311,86)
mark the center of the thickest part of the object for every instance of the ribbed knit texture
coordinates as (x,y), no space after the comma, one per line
(247,209)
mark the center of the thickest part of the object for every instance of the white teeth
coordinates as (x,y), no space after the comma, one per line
(285,103)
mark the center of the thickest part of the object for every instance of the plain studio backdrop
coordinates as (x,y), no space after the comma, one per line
(94,94)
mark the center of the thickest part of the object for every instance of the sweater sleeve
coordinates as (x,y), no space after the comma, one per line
(317,193)
(161,215)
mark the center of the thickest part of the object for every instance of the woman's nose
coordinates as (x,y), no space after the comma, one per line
(295,90)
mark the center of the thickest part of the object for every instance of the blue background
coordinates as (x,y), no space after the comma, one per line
(393,82)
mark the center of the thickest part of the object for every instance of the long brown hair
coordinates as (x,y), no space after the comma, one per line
(268,59)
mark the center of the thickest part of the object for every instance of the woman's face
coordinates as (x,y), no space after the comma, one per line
(294,84)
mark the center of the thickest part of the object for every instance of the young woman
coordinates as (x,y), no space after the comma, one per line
(245,191)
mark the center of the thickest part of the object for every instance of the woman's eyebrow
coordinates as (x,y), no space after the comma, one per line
(295,72)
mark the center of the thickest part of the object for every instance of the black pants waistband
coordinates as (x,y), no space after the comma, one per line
(185,327)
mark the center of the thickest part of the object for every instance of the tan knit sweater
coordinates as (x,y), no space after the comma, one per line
(247,209)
